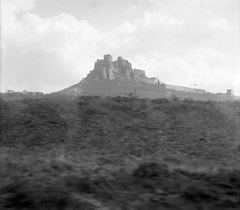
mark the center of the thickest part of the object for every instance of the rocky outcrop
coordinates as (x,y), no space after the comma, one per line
(107,69)
(139,73)
(118,77)
(103,69)
(124,67)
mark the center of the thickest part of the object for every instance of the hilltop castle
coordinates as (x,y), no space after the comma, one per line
(108,69)
(117,77)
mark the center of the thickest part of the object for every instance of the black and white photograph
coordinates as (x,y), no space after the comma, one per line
(120,105)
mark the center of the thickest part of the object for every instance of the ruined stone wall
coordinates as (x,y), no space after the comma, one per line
(122,63)
(107,58)
(185,89)
(139,73)
(124,67)
(236,98)
(121,68)
(104,68)
(98,65)
(151,81)
(110,70)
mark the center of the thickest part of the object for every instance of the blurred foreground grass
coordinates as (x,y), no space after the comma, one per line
(60,181)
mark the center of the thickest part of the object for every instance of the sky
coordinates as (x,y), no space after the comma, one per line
(48,45)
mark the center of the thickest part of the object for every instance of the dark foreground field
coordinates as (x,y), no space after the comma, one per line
(119,153)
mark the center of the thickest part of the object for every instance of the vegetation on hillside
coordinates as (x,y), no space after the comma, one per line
(119,153)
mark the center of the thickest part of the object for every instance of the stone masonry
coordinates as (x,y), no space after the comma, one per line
(108,69)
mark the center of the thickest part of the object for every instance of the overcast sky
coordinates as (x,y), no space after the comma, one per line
(48,45)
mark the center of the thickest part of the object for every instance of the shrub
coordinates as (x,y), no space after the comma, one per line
(79,184)
(151,170)
(15,196)
(198,192)
(22,194)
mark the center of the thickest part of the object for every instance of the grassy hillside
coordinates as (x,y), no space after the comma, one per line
(119,153)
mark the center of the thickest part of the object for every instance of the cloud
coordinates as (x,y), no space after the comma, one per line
(11,7)
(50,51)
(126,27)
(62,34)
(181,42)
(62,47)
(175,17)
(179,71)
(187,42)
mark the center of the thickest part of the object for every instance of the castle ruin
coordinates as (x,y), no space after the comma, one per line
(108,69)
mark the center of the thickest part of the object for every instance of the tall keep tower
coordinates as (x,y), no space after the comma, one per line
(108,58)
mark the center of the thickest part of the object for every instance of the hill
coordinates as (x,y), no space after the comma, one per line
(168,125)
(119,153)
(118,78)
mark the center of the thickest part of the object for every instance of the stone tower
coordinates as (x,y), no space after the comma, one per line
(107,58)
